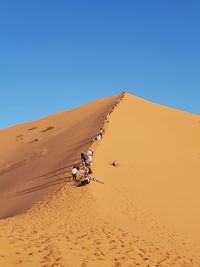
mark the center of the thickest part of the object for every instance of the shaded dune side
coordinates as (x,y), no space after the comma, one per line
(36,155)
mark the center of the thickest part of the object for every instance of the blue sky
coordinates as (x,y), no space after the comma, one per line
(56,55)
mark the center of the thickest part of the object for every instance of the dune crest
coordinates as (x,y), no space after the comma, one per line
(146,213)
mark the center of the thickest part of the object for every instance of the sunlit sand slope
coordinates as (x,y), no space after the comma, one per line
(155,192)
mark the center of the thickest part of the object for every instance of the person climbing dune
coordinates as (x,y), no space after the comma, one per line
(83,159)
(102,131)
(98,137)
(90,152)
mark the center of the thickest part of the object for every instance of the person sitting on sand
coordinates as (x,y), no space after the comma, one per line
(115,163)
(85,179)
(75,172)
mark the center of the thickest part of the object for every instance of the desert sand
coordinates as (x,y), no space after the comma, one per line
(145,214)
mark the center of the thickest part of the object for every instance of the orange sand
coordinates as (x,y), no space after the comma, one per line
(146,213)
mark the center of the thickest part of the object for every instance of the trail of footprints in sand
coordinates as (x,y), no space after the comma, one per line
(94,246)
(33,247)
(54,234)
(116,246)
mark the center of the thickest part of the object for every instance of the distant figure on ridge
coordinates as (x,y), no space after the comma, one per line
(102,132)
(98,138)
(91,152)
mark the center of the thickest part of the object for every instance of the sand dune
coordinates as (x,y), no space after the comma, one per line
(35,156)
(146,212)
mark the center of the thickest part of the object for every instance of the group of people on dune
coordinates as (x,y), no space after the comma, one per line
(82,175)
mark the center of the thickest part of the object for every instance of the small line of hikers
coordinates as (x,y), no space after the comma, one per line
(83,174)
(115,105)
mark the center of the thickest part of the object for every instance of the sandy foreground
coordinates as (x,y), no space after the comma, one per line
(145,214)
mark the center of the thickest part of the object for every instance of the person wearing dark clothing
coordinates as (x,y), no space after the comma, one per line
(83,158)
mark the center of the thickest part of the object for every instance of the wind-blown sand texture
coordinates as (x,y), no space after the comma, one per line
(146,213)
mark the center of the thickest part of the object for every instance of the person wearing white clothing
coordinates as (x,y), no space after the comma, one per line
(75,172)
(90,152)
(98,138)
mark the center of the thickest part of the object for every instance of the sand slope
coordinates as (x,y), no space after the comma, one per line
(34,160)
(146,213)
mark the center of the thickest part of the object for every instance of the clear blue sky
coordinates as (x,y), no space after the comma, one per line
(56,55)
